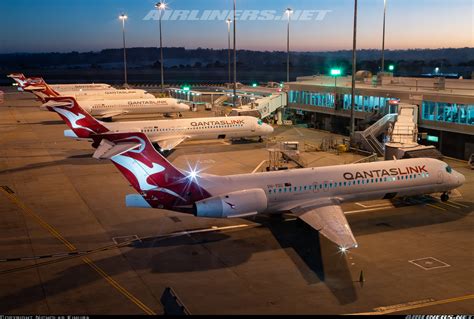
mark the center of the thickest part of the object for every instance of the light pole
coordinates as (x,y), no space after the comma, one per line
(354,59)
(288,12)
(124,17)
(161,6)
(335,73)
(229,21)
(383,35)
(234,98)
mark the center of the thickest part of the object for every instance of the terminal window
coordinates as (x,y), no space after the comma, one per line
(448,112)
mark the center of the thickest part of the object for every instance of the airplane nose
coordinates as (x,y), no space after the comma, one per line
(183,107)
(268,129)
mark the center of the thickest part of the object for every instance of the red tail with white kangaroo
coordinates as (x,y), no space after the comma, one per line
(160,184)
(78,120)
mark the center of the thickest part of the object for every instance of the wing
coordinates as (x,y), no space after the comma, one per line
(168,143)
(328,218)
(105,115)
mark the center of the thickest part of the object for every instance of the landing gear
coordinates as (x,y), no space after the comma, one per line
(444,197)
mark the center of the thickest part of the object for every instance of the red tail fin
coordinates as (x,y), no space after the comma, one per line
(157,180)
(38,84)
(18,78)
(81,122)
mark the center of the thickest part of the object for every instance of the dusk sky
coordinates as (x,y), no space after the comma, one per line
(91,25)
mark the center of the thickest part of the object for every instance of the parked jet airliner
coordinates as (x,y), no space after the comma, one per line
(166,133)
(314,195)
(21,79)
(42,90)
(106,109)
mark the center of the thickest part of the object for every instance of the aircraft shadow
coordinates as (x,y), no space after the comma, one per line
(316,258)
(186,149)
(51,122)
(71,160)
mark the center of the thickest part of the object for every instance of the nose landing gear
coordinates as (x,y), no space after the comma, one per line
(444,197)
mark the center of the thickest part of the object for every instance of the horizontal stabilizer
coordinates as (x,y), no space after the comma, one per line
(107,149)
(167,144)
(52,104)
(136,201)
(70,133)
(34,88)
(110,114)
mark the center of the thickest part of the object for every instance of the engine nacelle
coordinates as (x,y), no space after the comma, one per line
(235,204)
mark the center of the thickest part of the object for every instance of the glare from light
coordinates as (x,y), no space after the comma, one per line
(343,249)
(160,6)
(193,175)
(123,17)
(228,21)
(336,72)
(288,11)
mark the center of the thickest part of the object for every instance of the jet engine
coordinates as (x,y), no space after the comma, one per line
(236,204)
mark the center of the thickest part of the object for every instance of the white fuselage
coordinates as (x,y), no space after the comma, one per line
(134,106)
(288,189)
(196,128)
(81,87)
(109,94)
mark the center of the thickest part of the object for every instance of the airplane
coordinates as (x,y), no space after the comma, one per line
(106,109)
(42,90)
(314,195)
(21,79)
(166,133)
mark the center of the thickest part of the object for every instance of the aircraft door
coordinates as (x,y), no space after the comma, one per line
(315,187)
(440,177)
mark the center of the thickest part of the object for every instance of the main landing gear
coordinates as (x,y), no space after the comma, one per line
(444,197)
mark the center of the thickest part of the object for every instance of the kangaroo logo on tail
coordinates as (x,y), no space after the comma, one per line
(81,122)
(157,180)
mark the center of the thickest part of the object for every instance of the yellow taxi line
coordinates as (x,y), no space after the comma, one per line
(71,247)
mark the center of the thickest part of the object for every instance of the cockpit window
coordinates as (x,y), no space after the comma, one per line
(449,169)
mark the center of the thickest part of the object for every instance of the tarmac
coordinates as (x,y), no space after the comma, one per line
(68,244)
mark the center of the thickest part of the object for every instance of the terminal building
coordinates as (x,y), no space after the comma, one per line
(445,106)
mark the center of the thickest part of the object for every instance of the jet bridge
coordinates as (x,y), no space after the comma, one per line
(262,107)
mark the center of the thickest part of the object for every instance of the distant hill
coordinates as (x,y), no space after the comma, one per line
(211,65)
(148,57)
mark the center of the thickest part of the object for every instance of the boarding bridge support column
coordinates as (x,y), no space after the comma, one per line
(279,117)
